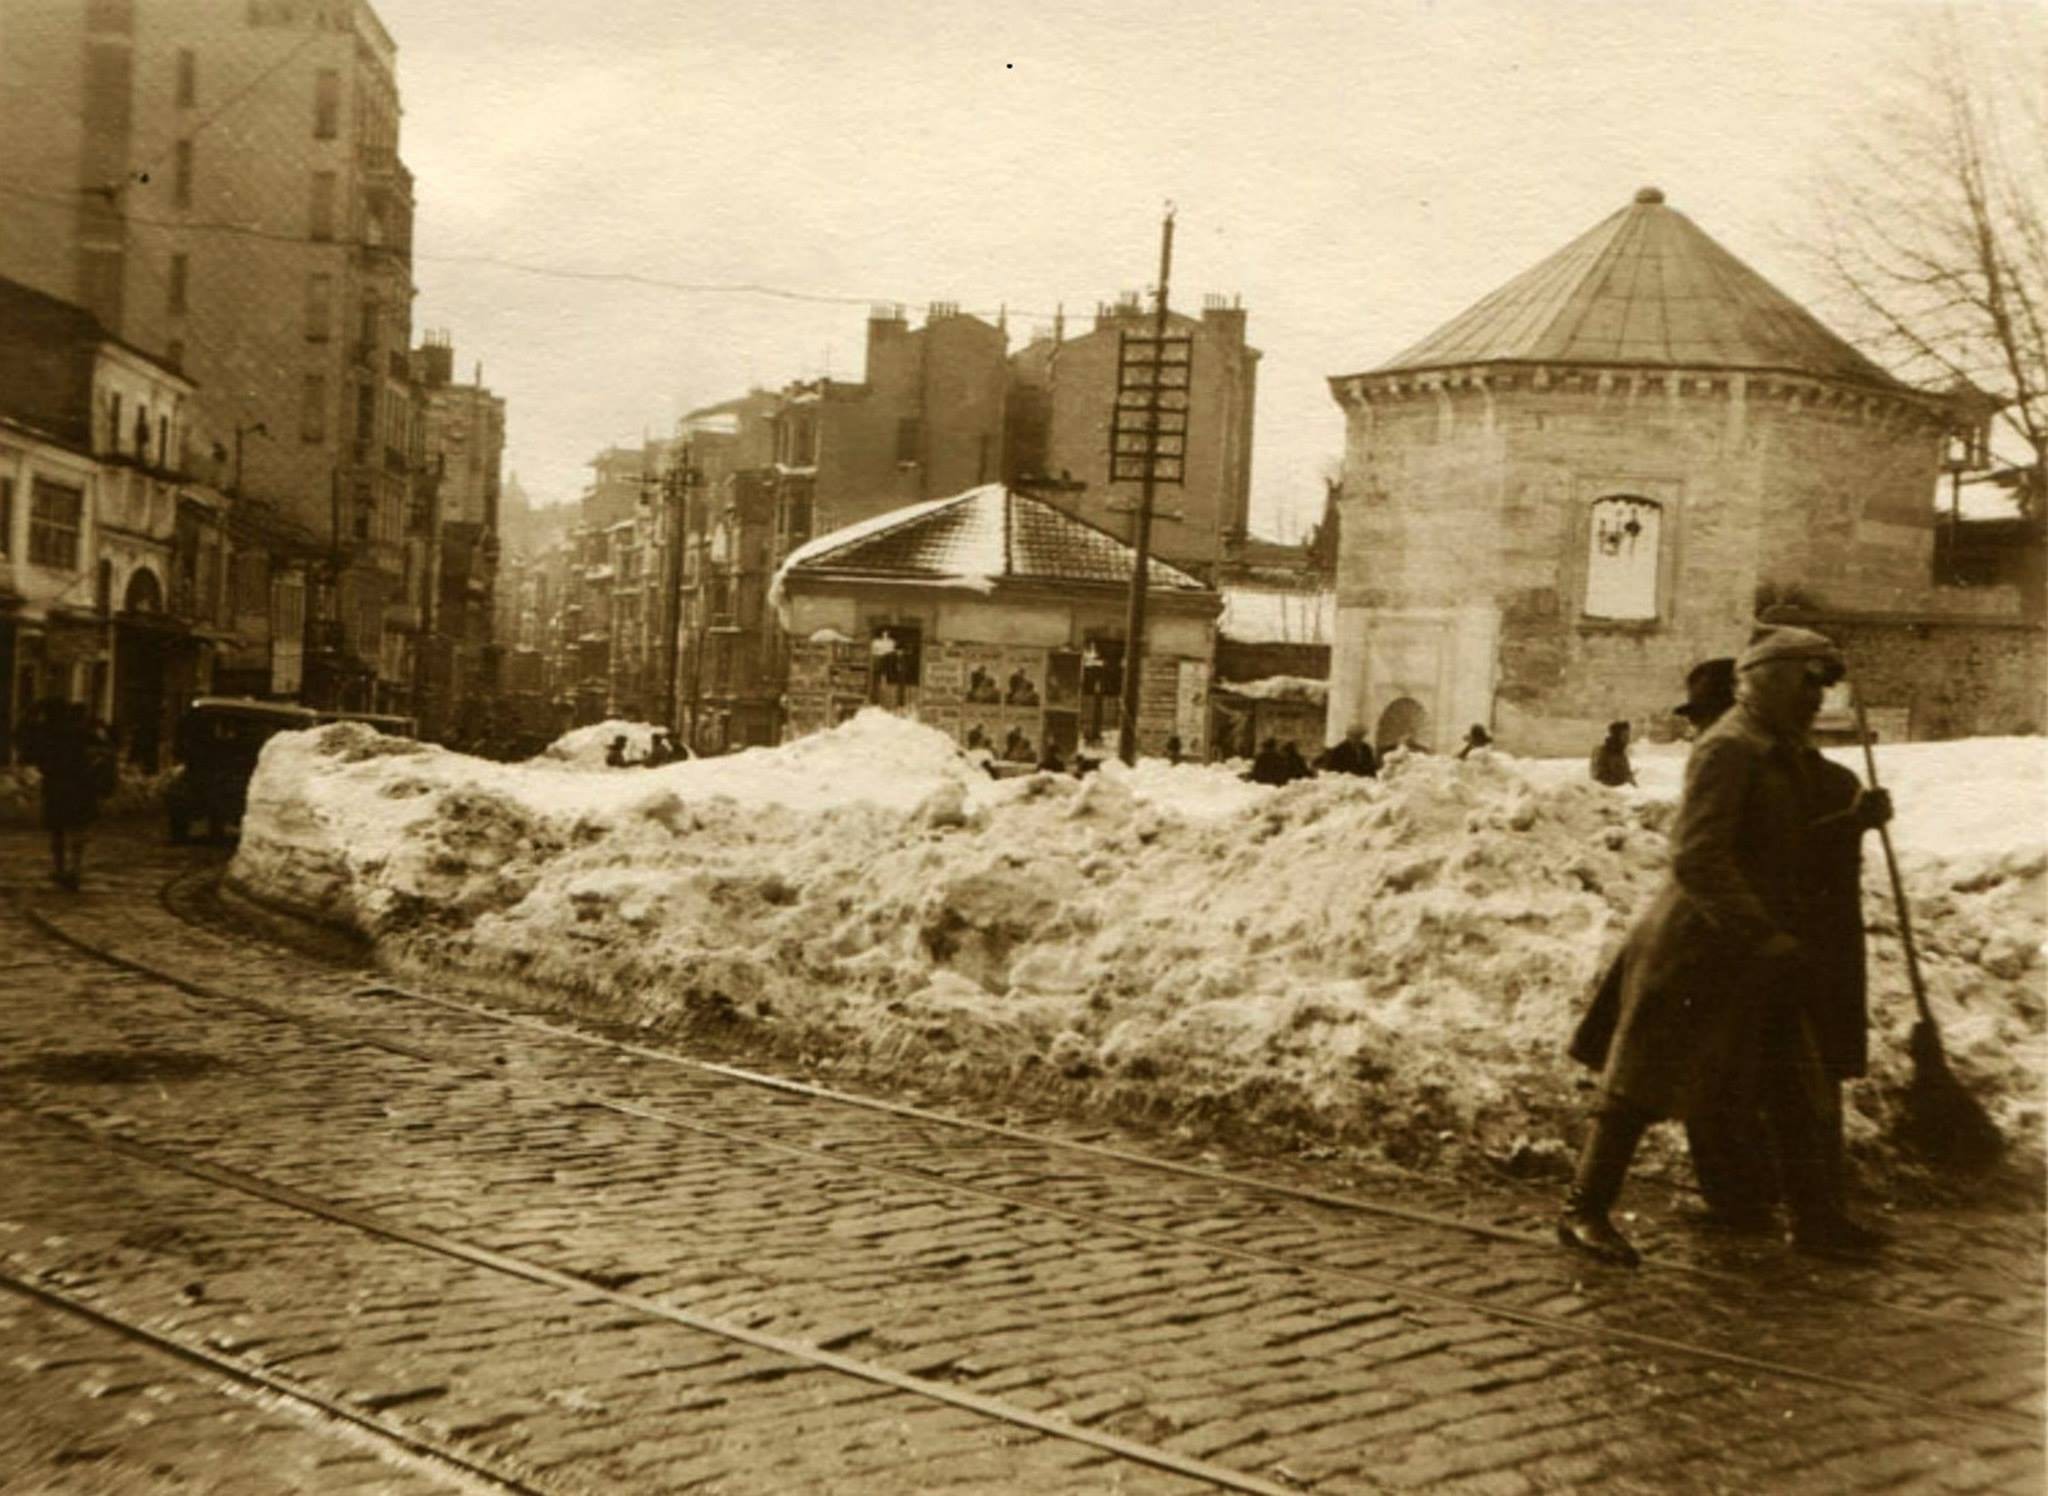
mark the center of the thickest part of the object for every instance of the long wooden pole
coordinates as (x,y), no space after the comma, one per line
(1134,618)
(1891,865)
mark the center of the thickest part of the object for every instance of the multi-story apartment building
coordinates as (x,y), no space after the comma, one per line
(1062,399)
(219,185)
(112,557)
(453,541)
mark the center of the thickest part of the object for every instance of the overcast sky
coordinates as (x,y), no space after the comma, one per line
(1357,173)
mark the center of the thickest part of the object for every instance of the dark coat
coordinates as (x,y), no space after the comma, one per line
(1350,756)
(1676,1017)
(69,756)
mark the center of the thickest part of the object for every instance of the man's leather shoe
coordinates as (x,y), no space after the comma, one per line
(1592,1233)
(1836,1236)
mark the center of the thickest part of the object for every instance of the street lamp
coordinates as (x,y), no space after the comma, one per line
(254,428)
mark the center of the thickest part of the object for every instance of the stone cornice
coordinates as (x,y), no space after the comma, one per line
(1757,386)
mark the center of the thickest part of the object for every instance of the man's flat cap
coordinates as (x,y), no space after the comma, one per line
(1783,642)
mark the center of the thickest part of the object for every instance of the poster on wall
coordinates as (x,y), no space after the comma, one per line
(1021,732)
(945,677)
(943,718)
(1024,678)
(1191,709)
(1158,705)
(984,666)
(981,727)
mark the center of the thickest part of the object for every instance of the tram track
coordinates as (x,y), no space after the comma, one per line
(1550,1325)
(586,1292)
(382,1434)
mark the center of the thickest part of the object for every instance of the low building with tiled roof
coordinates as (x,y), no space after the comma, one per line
(997,618)
(1573,490)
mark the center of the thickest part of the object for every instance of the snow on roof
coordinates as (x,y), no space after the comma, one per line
(1278,615)
(1279,688)
(976,539)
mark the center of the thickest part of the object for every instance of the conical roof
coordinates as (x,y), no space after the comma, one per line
(1643,287)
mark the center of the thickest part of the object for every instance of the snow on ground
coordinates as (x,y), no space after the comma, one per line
(1393,962)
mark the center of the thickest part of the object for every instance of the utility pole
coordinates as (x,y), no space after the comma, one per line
(677,483)
(1148,441)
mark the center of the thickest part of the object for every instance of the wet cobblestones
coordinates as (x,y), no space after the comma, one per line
(1289,1340)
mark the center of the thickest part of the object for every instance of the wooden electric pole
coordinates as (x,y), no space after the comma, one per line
(1148,440)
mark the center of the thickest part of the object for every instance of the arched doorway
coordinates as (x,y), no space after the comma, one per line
(1404,718)
(141,664)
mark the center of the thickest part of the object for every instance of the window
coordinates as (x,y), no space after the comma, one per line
(114,421)
(1623,543)
(6,516)
(327,104)
(319,307)
(313,409)
(909,439)
(322,226)
(174,354)
(188,77)
(181,272)
(53,518)
(366,412)
(181,175)
(163,441)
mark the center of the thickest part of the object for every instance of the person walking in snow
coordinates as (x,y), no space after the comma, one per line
(1292,765)
(1268,767)
(1476,737)
(1734,988)
(1610,765)
(1350,754)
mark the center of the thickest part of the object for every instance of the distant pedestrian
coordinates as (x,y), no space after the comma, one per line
(1050,761)
(1610,763)
(1292,764)
(1351,754)
(1268,767)
(615,755)
(1476,737)
(661,751)
(1173,750)
(76,763)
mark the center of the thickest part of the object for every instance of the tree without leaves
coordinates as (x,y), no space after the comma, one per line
(1932,231)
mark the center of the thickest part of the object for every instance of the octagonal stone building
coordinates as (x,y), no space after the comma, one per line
(1558,501)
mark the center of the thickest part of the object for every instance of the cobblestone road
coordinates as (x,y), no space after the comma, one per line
(486,1257)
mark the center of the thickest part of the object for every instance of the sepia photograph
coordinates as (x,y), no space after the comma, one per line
(786,746)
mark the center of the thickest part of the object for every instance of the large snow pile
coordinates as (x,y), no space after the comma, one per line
(585,747)
(1394,962)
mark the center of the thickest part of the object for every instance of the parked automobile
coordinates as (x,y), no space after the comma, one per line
(218,743)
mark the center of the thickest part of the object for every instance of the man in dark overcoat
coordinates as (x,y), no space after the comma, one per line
(1733,984)
(74,761)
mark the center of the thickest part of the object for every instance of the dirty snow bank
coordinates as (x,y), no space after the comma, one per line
(1390,962)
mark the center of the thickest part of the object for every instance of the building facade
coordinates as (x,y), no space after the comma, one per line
(1063,397)
(997,619)
(1598,474)
(113,558)
(219,185)
(454,543)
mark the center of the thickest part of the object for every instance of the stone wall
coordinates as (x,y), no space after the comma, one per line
(1954,677)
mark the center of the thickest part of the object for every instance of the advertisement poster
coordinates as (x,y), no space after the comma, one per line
(986,667)
(1024,678)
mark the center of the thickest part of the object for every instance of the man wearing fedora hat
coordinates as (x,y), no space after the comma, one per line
(1736,994)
